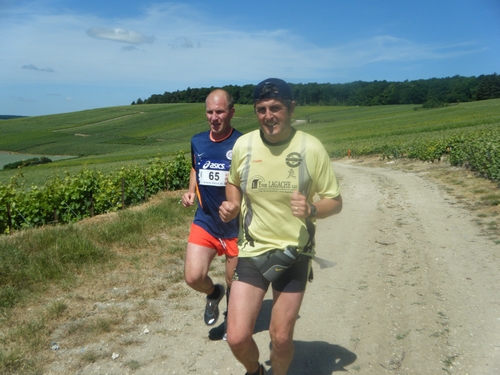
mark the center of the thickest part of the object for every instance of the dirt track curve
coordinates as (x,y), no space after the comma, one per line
(408,286)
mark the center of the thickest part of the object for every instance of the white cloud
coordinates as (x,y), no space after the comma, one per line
(119,35)
(34,67)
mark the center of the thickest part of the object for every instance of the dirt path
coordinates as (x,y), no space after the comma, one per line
(412,288)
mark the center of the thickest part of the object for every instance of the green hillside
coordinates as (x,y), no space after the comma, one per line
(109,137)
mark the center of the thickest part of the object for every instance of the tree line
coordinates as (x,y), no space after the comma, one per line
(430,93)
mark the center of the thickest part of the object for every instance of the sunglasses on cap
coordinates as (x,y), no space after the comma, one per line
(272,88)
(269,90)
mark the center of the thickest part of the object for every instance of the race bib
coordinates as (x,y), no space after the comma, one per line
(213,173)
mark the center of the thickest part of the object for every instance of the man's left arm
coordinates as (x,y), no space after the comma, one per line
(324,207)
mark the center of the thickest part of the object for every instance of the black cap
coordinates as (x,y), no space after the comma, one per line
(272,88)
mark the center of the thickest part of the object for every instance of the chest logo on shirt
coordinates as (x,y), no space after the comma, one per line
(259,185)
(293,159)
(211,165)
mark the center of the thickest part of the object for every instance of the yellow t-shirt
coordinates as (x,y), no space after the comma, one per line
(267,175)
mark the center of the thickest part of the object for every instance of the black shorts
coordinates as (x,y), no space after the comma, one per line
(293,279)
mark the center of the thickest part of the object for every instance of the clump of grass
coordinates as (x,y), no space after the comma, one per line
(31,259)
(402,336)
(133,365)
(491,199)
(448,361)
(90,356)
(12,362)
(131,227)
(20,346)
(56,309)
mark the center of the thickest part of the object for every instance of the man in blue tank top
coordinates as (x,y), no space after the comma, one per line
(211,154)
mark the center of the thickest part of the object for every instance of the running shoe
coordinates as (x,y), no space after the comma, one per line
(212,307)
(219,332)
(262,371)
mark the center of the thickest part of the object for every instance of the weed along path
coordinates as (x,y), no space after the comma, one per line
(410,286)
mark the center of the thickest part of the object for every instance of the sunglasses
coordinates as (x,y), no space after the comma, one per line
(269,89)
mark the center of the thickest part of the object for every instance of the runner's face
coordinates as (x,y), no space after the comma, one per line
(275,119)
(218,115)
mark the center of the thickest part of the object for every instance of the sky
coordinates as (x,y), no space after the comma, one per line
(60,56)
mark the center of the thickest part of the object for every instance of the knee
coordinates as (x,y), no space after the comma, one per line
(238,343)
(281,341)
(192,279)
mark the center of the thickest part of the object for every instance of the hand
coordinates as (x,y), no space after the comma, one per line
(299,205)
(188,199)
(228,211)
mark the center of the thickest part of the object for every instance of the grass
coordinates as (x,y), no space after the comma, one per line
(51,277)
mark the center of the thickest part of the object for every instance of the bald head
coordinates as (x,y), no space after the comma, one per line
(219,111)
(221,94)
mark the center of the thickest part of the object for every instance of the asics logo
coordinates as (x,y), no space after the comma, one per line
(210,165)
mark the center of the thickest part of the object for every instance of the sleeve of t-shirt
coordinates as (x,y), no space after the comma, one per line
(326,182)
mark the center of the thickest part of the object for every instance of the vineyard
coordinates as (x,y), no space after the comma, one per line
(88,193)
(478,151)
(101,140)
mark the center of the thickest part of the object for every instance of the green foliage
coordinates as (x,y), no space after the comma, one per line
(88,193)
(178,172)
(479,151)
(432,93)
(7,193)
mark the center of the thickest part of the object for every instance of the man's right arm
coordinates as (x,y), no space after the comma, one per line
(189,197)
(230,208)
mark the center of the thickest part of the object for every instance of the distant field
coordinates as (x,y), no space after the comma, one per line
(110,137)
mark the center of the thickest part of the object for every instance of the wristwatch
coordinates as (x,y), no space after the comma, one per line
(313,210)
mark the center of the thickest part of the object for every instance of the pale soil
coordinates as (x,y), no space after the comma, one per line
(412,288)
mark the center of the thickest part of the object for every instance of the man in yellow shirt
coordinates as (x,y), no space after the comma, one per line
(275,173)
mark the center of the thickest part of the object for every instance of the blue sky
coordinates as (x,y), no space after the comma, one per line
(68,55)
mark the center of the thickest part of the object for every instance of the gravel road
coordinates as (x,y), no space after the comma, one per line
(407,285)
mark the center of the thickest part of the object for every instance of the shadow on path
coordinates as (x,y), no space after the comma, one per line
(312,358)
(320,358)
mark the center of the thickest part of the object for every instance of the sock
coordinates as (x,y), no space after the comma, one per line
(215,293)
(258,372)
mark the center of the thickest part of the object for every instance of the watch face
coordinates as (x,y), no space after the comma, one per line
(313,210)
